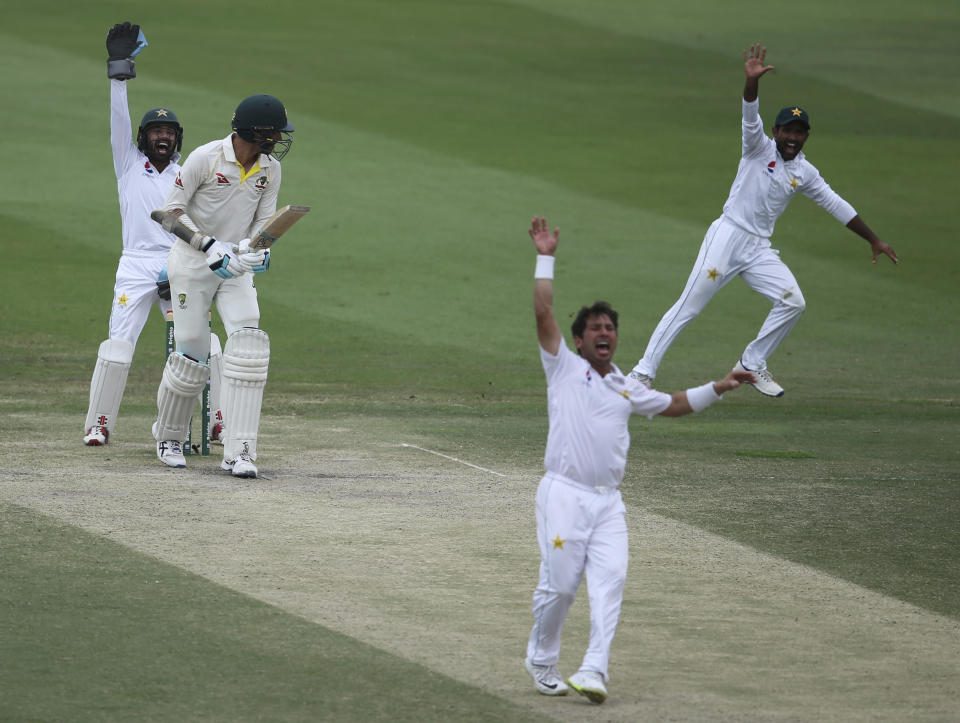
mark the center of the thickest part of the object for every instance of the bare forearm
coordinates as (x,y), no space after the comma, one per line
(860,228)
(548,332)
(751,89)
(699,398)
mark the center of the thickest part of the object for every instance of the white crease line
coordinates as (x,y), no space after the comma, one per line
(454,459)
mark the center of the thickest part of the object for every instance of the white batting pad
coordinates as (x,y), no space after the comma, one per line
(216,378)
(108,382)
(183,380)
(245,361)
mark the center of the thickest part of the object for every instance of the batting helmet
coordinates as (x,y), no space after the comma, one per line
(258,118)
(158,116)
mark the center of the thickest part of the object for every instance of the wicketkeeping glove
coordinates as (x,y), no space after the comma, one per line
(163,285)
(223,261)
(122,42)
(259,261)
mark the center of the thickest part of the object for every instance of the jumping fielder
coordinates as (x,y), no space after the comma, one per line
(771,172)
(581,525)
(226,189)
(145,173)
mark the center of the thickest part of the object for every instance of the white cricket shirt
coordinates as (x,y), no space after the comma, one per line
(219,198)
(765,182)
(140,187)
(588,438)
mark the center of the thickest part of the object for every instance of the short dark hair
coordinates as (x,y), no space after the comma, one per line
(599,308)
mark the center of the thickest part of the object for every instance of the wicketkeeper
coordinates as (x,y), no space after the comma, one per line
(145,173)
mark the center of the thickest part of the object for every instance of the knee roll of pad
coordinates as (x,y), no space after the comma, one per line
(183,380)
(246,355)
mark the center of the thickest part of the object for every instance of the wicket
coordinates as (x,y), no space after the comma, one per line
(204,447)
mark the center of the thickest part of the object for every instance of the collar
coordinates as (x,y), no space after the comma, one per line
(228,152)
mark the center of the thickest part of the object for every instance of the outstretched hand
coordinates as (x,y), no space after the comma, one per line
(733,380)
(881,247)
(545,241)
(753,61)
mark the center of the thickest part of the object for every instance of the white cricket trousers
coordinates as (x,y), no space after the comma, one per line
(580,530)
(193,288)
(135,293)
(728,251)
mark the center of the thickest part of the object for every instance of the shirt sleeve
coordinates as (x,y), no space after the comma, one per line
(554,365)
(829,200)
(754,139)
(648,402)
(192,174)
(125,153)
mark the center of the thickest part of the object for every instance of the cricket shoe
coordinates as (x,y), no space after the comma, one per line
(547,678)
(170,453)
(242,466)
(764,380)
(96,436)
(644,379)
(589,684)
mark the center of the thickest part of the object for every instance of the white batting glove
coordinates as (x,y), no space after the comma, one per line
(225,262)
(258,260)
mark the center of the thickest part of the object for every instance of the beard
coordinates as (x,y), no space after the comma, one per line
(161,151)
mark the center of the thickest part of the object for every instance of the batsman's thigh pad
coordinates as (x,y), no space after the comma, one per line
(246,358)
(183,380)
(237,304)
(108,382)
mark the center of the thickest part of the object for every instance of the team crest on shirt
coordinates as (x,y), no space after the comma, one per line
(222,180)
(178,183)
(182,299)
(261,183)
(122,301)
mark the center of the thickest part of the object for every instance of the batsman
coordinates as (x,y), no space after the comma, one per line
(226,190)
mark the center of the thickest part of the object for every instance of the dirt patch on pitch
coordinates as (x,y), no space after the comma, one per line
(435,561)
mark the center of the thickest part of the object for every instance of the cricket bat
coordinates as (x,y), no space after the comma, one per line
(273,229)
(277,225)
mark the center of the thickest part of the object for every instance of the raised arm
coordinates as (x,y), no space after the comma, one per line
(121,43)
(546,243)
(753,67)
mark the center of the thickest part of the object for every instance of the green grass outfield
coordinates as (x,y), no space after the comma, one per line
(428,134)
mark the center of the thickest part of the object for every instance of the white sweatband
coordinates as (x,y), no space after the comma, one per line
(544,267)
(702,397)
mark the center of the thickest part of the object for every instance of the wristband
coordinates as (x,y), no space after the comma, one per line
(121,69)
(702,397)
(544,268)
